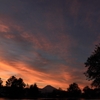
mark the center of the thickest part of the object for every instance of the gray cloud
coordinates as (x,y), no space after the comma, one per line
(48,35)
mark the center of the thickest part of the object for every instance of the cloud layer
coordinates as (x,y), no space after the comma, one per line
(46,41)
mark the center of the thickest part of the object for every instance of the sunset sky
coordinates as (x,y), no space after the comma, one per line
(48,41)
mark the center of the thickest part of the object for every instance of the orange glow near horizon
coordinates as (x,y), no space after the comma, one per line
(31,76)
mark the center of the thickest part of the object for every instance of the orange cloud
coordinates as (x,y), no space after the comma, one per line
(24,46)
(57,78)
(4,28)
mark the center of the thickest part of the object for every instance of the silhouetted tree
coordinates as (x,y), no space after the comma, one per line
(86,89)
(18,83)
(1,86)
(15,87)
(14,82)
(88,92)
(10,81)
(96,92)
(93,67)
(34,91)
(1,82)
(74,90)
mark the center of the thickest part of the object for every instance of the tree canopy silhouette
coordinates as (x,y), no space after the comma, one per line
(93,67)
(1,82)
(74,90)
(34,91)
(15,88)
(9,82)
(14,82)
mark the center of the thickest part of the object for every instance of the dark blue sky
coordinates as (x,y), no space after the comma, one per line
(48,40)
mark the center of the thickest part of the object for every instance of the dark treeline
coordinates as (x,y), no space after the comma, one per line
(16,88)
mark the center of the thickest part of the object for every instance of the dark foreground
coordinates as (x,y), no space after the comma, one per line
(34,93)
(16,88)
(48,99)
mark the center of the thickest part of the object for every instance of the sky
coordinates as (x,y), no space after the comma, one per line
(48,41)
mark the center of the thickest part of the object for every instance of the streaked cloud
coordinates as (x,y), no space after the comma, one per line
(48,41)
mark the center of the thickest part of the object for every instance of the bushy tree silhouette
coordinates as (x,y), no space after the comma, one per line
(10,81)
(86,89)
(1,82)
(14,82)
(74,90)
(34,91)
(93,67)
(88,92)
(18,83)
(15,87)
